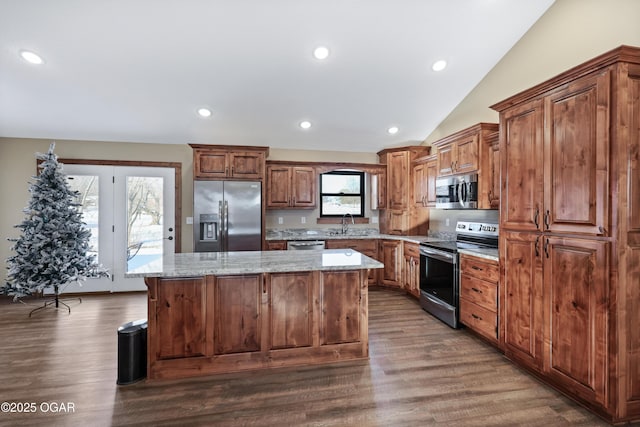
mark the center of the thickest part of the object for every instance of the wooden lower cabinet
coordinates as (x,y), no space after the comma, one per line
(180,320)
(411,271)
(218,324)
(555,306)
(479,295)
(391,256)
(276,245)
(291,310)
(238,314)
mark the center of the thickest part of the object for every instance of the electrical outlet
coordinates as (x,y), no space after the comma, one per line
(303,220)
(189,220)
(280,221)
(446,222)
(374,220)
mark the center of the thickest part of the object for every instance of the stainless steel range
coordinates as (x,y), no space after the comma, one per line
(439,268)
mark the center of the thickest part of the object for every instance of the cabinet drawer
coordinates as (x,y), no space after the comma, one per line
(479,319)
(363,245)
(411,250)
(480,268)
(479,291)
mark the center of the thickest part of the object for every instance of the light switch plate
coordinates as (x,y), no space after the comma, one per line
(189,220)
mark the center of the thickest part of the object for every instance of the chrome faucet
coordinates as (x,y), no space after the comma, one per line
(345,226)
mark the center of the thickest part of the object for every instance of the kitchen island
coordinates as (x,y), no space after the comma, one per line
(219,312)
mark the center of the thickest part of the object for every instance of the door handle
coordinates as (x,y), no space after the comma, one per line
(546,247)
(547,216)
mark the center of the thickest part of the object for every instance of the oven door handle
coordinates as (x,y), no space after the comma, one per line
(435,300)
(442,256)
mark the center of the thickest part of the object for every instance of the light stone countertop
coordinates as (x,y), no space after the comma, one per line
(253,262)
(486,253)
(289,236)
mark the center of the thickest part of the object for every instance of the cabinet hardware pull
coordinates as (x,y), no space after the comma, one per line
(476,316)
(547,216)
(536,246)
(476,290)
(535,217)
(264,285)
(452,167)
(546,247)
(475,267)
(489,195)
(226,171)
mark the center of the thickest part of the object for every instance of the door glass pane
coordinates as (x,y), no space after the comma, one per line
(88,198)
(144,220)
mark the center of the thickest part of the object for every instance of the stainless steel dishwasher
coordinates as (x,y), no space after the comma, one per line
(305,245)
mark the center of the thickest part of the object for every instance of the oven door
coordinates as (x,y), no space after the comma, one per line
(439,284)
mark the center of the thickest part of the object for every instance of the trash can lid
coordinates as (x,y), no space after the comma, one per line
(136,325)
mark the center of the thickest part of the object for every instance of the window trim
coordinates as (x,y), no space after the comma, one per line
(361,194)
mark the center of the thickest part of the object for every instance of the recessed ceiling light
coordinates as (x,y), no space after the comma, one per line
(321,52)
(204,112)
(31,57)
(439,65)
(305,124)
(393,130)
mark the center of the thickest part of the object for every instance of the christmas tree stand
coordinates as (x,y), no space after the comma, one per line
(55,302)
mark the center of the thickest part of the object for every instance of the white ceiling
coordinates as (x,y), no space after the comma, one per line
(137,70)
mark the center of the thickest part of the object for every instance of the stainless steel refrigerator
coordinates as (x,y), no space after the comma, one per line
(227,216)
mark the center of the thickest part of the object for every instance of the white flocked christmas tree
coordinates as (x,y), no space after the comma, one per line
(53,248)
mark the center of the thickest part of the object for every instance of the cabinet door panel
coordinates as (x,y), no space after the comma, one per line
(431,173)
(237,313)
(398,178)
(180,318)
(278,186)
(577,157)
(340,302)
(494,177)
(304,186)
(211,164)
(575,273)
(246,165)
(521,287)
(446,157)
(467,155)
(291,309)
(521,157)
(391,253)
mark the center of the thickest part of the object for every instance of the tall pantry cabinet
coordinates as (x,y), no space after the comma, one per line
(570,232)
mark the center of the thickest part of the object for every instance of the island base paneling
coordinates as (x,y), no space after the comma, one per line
(218,324)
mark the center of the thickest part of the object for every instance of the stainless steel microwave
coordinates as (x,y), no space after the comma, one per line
(457,192)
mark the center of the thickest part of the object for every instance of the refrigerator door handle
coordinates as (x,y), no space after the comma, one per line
(226,225)
(221,229)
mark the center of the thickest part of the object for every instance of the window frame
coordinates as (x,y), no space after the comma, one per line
(361,194)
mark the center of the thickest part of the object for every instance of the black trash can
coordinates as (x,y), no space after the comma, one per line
(132,352)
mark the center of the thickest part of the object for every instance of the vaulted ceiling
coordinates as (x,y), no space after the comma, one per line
(138,71)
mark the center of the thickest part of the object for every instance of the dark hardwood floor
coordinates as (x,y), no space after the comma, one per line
(420,373)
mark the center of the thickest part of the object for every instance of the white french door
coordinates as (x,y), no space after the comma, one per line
(130,211)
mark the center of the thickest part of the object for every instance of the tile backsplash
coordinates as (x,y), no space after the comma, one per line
(438,218)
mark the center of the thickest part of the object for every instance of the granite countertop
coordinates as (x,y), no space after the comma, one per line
(252,262)
(333,235)
(486,253)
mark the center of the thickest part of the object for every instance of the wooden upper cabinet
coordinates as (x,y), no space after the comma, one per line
(577,157)
(521,157)
(228,162)
(458,153)
(291,186)
(379,190)
(491,175)
(431,174)
(397,180)
(555,160)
